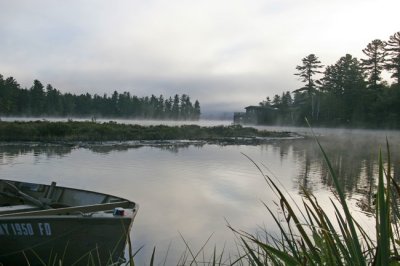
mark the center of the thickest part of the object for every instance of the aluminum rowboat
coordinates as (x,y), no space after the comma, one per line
(48,224)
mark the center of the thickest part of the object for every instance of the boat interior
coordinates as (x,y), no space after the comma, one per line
(21,198)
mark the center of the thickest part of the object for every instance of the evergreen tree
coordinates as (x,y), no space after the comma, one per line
(306,72)
(8,95)
(196,112)
(266,102)
(285,110)
(53,104)
(125,104)
(36,101)
(345,81)
(23,103)
(185,107)
(97,105)
(286,100)
(168,108)
(37,98)
(375,62)
(114,108)
(276,102)
(160,108)
(175,107)
(69,104)
(83,105)
(393,50)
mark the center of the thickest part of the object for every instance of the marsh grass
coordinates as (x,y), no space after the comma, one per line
(111,131)
(91,258)
(309,236)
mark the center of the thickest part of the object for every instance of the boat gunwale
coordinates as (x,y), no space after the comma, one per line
(70,211)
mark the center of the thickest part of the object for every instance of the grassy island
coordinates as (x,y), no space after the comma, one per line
(111,131)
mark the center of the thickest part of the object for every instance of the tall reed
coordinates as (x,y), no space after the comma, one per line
(309,236)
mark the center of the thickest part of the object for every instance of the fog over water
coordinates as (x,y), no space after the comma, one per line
(194,190)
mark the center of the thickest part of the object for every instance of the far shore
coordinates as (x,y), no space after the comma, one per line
(89,131)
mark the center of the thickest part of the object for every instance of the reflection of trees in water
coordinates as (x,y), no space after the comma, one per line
(174,148)
(11,151)
(306,157)
(354,159)
(106,149)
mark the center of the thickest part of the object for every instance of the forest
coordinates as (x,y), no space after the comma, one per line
(40,101)
(349,93)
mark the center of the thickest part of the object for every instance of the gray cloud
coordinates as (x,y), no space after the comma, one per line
(227,54)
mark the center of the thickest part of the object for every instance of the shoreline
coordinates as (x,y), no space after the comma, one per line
(73,132)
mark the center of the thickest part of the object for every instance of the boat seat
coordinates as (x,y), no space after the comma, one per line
(17,208)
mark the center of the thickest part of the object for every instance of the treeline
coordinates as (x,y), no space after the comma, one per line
(39,101)
(350,93)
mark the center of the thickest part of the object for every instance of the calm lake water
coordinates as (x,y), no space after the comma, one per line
(191,191)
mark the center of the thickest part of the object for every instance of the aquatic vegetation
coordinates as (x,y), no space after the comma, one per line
(310,236)
(112,131)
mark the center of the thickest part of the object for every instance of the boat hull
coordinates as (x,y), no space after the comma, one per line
(71,240)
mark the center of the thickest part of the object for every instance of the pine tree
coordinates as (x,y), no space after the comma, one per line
(393,50)
(197,111)
(168,107)
(37,98)
(306,72)
(175,107)
(345,82)
(375,63)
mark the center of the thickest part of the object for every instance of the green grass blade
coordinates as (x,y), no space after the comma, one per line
(383,240)
(356,252)
(291,243)
(284,256)
(253,256)
(152,257)
(324,231)
(296,221)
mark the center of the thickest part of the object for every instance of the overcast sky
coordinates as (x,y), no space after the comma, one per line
(227,54)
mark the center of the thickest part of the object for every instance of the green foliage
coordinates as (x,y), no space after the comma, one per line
(350,93)
(36,101)
(307,70)
(375,62)
(393,50)
(111,131)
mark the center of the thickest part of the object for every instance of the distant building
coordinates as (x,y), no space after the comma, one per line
(256,115)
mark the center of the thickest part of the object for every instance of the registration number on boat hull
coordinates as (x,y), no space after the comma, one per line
(25,229)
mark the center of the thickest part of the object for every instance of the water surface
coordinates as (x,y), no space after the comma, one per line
(192,191)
